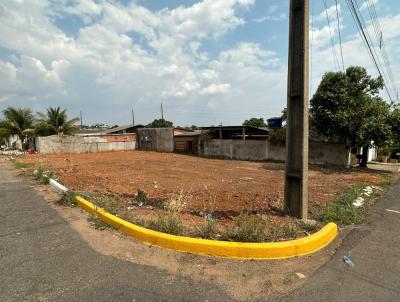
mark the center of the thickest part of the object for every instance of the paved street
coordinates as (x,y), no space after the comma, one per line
(43,259)
(375,251)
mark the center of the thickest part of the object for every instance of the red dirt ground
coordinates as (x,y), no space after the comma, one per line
(228,186)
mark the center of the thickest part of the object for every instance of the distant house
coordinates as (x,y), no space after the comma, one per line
(90,132)
(236,132)
(186,140)
(124,129)
(13,142)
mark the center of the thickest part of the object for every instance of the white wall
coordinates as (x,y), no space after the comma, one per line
(319,153)
(85,144)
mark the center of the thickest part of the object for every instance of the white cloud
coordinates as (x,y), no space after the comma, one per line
(128,56)
(331,14)
(215,89)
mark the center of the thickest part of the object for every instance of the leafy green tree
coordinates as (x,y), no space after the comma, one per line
(160,123)
(4,132)
(55,121)
(255,122)
(347,107)
(18,121)
(278,136)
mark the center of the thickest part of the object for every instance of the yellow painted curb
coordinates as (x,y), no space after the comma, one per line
(269,250)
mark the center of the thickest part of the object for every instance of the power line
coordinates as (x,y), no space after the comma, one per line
(365,37)
(379,40)
(340,36)
(335,59)
(382,70)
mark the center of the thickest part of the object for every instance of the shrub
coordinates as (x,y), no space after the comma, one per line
(42,175)
(68,199)
(142,196)
(107,203)
(309,227)
(277,136)
(167,223)
(248,228)
(208,229)
(45,178)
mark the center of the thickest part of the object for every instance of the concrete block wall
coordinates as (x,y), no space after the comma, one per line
(156,139)
(85,144)
(319,153)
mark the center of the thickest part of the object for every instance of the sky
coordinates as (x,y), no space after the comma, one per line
(208,62)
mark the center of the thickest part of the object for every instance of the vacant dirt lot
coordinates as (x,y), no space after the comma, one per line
(222,186)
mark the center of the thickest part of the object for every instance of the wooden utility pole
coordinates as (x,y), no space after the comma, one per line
(296,176)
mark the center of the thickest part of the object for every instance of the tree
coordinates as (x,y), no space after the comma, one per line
(255,122)
(278,136)
(55,121)
(18,121)
(347,107)
(160,123)
(4,132)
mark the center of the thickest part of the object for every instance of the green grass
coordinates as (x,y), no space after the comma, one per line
(107,203)
(308,227)
(42,175)
(247,228)
(386,180)
(341,210)
(68,199)
(278,231)
(167,223)
(207,230)
(22,165)
(97,223)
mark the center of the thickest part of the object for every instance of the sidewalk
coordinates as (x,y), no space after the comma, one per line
(375,251)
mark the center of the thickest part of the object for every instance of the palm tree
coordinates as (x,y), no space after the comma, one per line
(18,121)
(54,122)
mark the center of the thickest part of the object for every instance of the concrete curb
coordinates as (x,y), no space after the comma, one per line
(57,186)
(270,250)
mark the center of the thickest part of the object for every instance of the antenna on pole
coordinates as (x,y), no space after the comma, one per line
(80,118)
(162,112)
(133,118)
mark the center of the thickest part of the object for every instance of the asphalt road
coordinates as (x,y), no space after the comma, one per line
(43,259)
(375,251)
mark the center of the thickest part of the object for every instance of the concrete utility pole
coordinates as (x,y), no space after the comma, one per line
(133,118)
(80,117)
(162,112)
(296,177)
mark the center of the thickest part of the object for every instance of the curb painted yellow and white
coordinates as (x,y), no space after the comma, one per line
(241,250)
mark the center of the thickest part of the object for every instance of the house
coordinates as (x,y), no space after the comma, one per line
(236,132)
(13,142)
(186,141)
(124,129)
